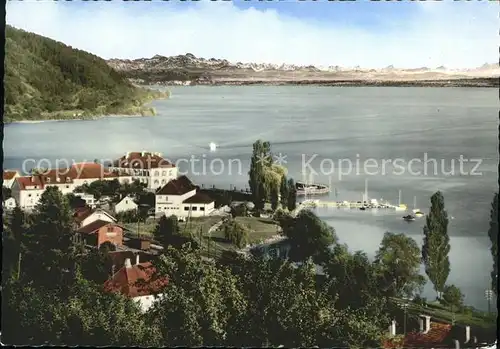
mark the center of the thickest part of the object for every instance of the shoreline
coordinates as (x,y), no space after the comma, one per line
(93,118)
(471,83)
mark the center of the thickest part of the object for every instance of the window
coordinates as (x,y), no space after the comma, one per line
(126,201)
(110,228)
(157,182)
(166,198)
(164,173)
(163,181)
(186,208)
(29,195)
(156,173)
(170,172)
(67,186)
(194,208)
(202,208)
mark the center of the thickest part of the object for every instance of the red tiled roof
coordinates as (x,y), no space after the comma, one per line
(198,198)
(138,280)
(66,175)
(7,174)
(436,336)
(94,226)
(137,160)
(179,186)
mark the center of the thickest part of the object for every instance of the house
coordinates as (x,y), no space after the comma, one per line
(434,334)
(84,216)
(9,204)
(181,197)
(9,176)
(28,189)
(146,167)
(126,204)
(137,281)
(98,232)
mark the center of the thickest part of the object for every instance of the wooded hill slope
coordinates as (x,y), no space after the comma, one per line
(46,79)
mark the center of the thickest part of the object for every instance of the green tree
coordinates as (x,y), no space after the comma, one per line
(202,304)
(236,233)
(6,193)
(14,242)
(53,247)
(83,316)
(166,229)
(453,297)
(398,261)
(292,195)
(309,236)
(275,200)
(261,158)
(284,192)
(493,235)
(436,244)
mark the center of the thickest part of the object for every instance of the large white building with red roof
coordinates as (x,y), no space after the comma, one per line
(180,197)
(147,167)
(27,190)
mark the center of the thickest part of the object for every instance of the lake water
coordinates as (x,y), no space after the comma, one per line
(331,125)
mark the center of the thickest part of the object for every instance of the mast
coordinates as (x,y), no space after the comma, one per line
(399,198)
(366,189)
(415,202)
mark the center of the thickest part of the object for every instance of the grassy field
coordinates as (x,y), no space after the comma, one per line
(259,230)
(192,227)
(442,313)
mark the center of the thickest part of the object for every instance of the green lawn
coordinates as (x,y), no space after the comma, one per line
(259,230)
(440,312)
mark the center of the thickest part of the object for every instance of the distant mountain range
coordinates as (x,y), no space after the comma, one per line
(190,70)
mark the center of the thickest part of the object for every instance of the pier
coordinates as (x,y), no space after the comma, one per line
(353,204)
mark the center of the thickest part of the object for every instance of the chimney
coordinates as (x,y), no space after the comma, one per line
(137,259)
(427,323)
(32,179)
(143,153)
(392,328)
(467,334)
(421,324)
(128,264)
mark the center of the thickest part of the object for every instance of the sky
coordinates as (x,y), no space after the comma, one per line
(406,34)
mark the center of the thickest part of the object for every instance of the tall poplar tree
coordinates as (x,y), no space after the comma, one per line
(493,234)
(260,158)
(436,245)
(284,192)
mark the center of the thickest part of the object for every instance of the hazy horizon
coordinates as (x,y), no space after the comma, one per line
(371,35)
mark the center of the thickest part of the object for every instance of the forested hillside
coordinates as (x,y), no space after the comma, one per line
(45,79)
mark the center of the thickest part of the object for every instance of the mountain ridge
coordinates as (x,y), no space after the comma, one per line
(189,69)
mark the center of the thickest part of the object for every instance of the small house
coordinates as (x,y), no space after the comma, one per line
(126,204)
(98,232)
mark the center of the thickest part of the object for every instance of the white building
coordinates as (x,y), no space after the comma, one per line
(27,190)
(146,167)
(126,204)
(180,197)
(9,204)
(125,281)
(9,176)
(85,216)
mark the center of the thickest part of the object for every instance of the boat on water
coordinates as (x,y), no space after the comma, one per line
(418,214)
(362,208)
(409,218)
(311,189)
